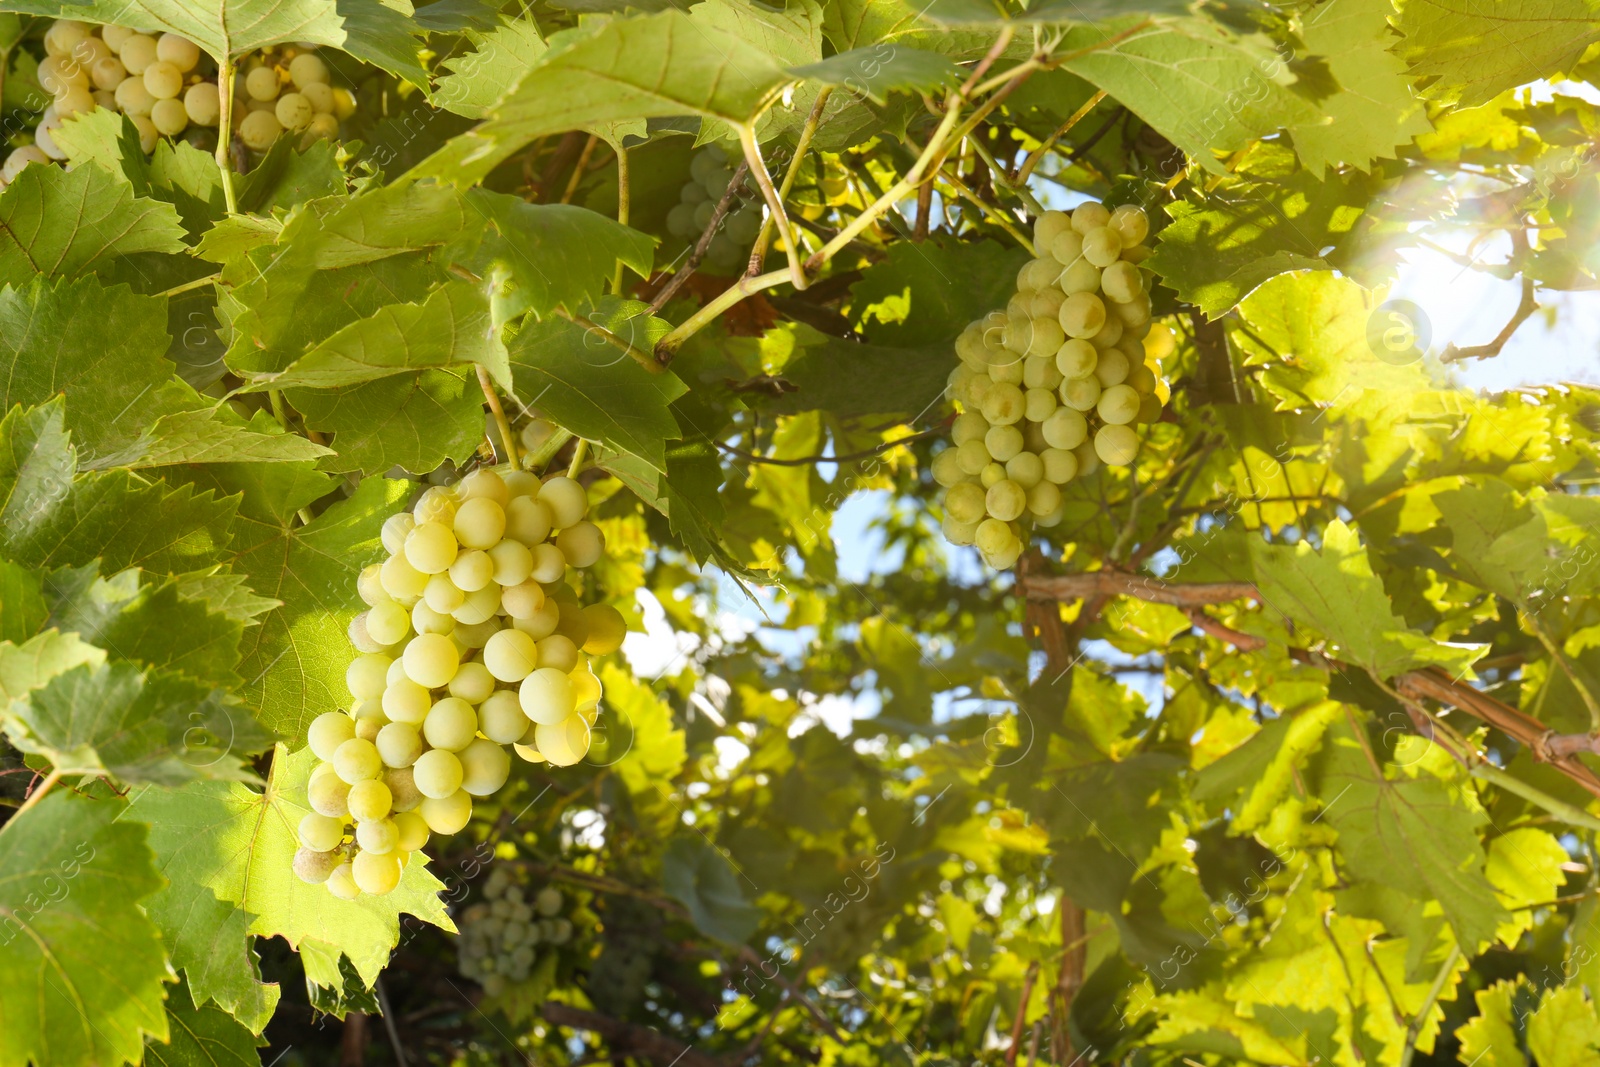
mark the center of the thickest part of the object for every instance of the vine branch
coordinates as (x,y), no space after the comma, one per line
(703,245)
(1525,309)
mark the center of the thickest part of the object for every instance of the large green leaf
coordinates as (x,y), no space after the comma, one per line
(226,840)
(1413,834)
(214,435)
(1220,247)
(876,72)
(590,385)
(1473,50)
(452,326)
(377,33)
(1374,111)
(1335,592)
(48,518)
(138,726)
(31,664)
(925,293)
(201,1037)
(103,349)
(657,66)
(553,255)
(81,967)
(480,79)
(1316,340)
(1202,88)
(149,621)
(413,421)
(368,249)
(64,223)
(294,662)
(700,878)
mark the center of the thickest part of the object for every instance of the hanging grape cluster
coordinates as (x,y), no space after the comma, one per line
(167,86)
(711,170)
(1054,384)
(473,641)
(502,935)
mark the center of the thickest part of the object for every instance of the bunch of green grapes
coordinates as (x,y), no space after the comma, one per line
(165,85)
(1054,384)
(473,642)
(501,934)
(710,172)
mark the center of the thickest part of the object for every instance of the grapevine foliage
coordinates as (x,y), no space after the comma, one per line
(1074,614)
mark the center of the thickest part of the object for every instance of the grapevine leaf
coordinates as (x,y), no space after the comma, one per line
(1336,593)
(479,79)
(201,1037)
(226,594)
(212,436)
(140,726)
(230,840)
(49,518)
(1473,50)
(65,223)
(700,878)
(1201,88)
(82,967)
(452,326)
(209,940)
(647,749)
(878,71)
(458,16)
(1524,866)
(22,607)
(926,293)
(369,249)
(1374,111)
(414,421)
(657,66)
(287,176)
(1564,1032)
(1314,330)
(33,663)
(1219,248)
(591,386)
(294,662)
(1490,1037)
(377,33)
(555,255)
(847,379)
(1412,835)
(149,622)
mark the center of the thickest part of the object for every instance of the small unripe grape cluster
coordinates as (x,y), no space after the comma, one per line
(473,642)
(165,85)
(503,934)
(710,172)
(1053,385)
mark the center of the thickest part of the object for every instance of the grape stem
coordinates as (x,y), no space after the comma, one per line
(508,447)
(225,73)
(994,214)
(1414,1027)
(1003,180)
(578,169)
(580,452)
(950,132)
(1061,131)
(37,795)
(623,204)
(752,156)
(703,245)
(758,251)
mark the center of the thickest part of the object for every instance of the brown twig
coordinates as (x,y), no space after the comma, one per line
(1525,309)
(1022,1011)
(701,246)
(1558,750)
(1242,641)
(582,165)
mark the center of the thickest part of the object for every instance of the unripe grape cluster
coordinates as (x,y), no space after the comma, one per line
(1053,385)
(166,85)
(710,172)
(473,643)
(503,934)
